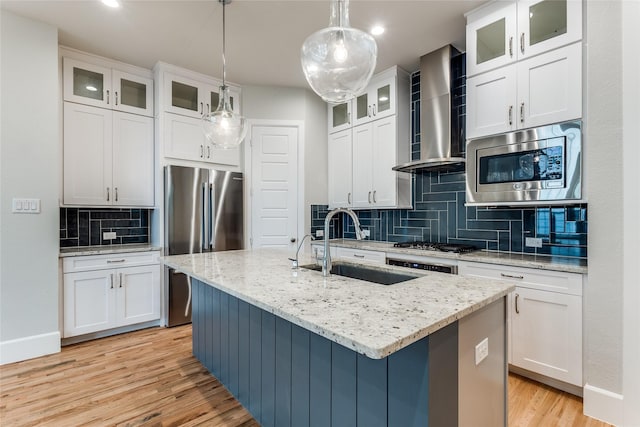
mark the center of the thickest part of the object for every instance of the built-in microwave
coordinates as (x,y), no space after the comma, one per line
(532,166)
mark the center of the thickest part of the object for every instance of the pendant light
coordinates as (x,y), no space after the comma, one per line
(339,61)
(224,128)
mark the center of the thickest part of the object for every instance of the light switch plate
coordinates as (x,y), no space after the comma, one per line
(482,350)
(25,206)
(108,235)
(366,232)
(533,242)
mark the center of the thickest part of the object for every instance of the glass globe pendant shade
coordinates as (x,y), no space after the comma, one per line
(224,128)
(338,61)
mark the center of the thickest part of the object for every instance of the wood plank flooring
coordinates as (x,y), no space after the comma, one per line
(150,378)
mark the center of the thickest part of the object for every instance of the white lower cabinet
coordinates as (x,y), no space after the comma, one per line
(107,296)
(544,319)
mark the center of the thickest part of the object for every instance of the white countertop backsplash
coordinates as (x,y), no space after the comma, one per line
(375,320)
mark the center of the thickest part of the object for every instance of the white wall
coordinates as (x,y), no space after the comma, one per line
(278,103)
(30,168)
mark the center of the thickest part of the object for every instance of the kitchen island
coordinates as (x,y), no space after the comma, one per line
(297,348)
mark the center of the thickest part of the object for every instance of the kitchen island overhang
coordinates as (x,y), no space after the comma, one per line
(297,348)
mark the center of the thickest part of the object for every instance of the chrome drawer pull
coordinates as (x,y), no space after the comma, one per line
(517,308)
(511,277)
(358,256)
(113,261)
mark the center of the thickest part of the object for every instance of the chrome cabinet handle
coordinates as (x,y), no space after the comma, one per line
(115,261)
(369,197)
(374,196)
(120,280)
(201,108)
(373,107)
(107,96)
(358,256)
(510,114)
(111,280)
(201,151)
(517,308)
(116,92)
(522,42)
(349,198)
(107,194)
(116,191)
(511,47)
(522,113)
(208,108)
(509,276)
(208,152)
(349,117)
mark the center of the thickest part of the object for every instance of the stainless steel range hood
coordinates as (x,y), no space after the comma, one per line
(440,145)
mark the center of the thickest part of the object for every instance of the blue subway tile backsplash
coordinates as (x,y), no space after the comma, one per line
(440,214)
(84,226)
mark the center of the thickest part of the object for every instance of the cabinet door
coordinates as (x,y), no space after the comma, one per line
(547,334)
(132,94)
(384,158)
(491,40)
(184,138)
(491,102)
(547,24)
(133,160)
(184,96)
(362,109)
(138,294)
(339,117)
(89,302)
(363,166)
(87,83)
(550,87)
(383,92)
(87,155)
(340,158)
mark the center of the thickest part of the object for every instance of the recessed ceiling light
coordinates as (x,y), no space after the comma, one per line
(377,30)
(111,3)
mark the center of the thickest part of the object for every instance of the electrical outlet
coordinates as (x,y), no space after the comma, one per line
(319,233)
(366,232)
(533,242)
(482,350)
(108,235)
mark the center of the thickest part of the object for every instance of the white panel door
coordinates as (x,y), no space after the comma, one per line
(133,160)
(491,102)
(550,88)
(384,158)
(274,186)
(87,155)
(362,166)
(138,294)
(89,302)
(546,331)
(340,169)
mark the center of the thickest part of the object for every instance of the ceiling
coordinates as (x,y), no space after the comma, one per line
(263,36)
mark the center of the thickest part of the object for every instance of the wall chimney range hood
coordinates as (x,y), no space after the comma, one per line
(441,144)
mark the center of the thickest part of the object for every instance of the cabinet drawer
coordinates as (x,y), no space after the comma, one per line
(101,262)
(545,280)
(361,255)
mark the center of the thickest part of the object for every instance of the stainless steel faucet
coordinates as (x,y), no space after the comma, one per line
(295,260)
(326,259)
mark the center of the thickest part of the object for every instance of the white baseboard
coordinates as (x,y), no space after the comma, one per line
(603,405)
(29,347)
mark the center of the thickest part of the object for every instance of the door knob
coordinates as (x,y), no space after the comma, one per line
(293,239)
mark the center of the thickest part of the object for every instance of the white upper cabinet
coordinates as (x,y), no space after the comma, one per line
(340,116)
(105,87)
(193,98)
(491,102)
(378,101)
(340,159)
(500,33)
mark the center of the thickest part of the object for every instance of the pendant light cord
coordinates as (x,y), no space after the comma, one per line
(224,44)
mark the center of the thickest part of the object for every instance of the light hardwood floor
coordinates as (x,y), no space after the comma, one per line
(150,378)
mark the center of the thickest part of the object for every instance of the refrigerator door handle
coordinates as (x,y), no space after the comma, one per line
(188,306)
(212,217)
(203,219)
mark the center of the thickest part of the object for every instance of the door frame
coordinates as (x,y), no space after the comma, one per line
(248,153)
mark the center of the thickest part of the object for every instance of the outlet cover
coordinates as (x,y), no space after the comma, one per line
(482,350)
(367,232)
(108,235)
(319,233)
(533,242)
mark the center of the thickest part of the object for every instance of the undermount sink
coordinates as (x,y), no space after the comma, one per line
(366,273)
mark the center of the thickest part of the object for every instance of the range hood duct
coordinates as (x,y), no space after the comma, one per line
(441,144)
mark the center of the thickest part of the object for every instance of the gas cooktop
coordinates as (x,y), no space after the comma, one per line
(442,247)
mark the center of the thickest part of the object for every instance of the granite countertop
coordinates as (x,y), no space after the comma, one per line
(105,250)
(542,262)
(375,320)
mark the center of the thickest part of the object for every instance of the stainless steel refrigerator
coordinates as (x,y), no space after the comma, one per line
(203,213)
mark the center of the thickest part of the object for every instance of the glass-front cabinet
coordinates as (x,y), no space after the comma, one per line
(192,98)
(109,88)
(377,101)
(499,34)
(339,116)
